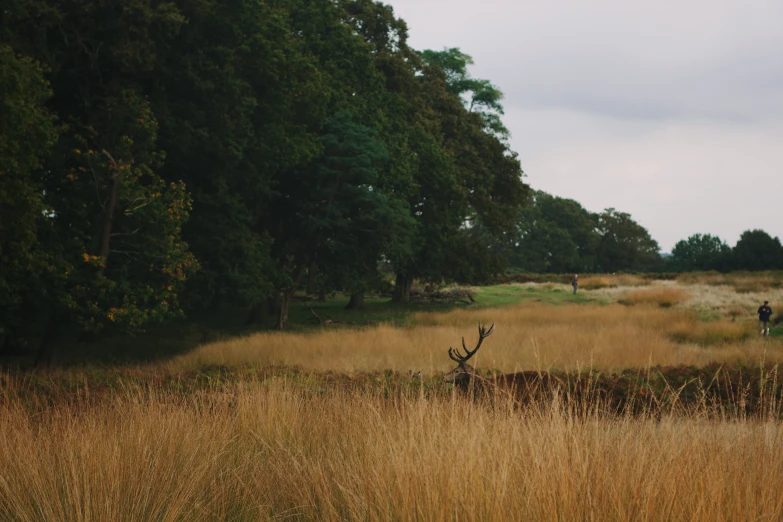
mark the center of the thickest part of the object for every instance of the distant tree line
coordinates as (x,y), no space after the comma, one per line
(755,250)
(557,235)
(160,157)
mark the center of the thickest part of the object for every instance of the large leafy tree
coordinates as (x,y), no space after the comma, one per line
(240,100)
(333,214)
(481,96)
(624,244)
(757,250)
(700,252)
(27,132)
(554,235)
(116,224)
(113,230)
(268,138)
(465,177)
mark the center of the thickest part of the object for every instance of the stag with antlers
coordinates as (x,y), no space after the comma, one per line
(523,385)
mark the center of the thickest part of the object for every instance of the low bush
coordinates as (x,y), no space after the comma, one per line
(596,283)
(736,312)
(663,297)
(717,332)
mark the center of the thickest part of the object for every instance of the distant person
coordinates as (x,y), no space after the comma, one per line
(764,313)
(575,283)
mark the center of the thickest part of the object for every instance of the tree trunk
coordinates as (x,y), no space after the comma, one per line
(285,302)
(312,279)
(286,296)
(356,302)
(110,206)
(47,349)
(402,289)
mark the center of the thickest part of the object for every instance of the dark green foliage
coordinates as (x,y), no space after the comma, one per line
(481,96)
(220,151)
(700,252)
(555,235)
(624,244)
(27,132)
(111,240)
(558,235)
(757,250)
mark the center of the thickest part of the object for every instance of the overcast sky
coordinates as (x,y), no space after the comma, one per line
(671,111)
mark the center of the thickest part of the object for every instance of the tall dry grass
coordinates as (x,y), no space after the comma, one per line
(529,336)
(596,282)
(276,451)
(665,297)
(741,282)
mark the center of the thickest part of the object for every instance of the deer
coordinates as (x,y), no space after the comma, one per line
(521,385)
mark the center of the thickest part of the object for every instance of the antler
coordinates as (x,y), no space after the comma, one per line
(483,334)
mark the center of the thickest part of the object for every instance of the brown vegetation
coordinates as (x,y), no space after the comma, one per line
(650,413)
(741,282)
(664,297)
(611,281)
(277,449)
(529,336)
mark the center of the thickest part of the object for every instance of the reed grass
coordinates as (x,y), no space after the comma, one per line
(597,282)
(664,297)
(527,336)
(279,452)
(712,333)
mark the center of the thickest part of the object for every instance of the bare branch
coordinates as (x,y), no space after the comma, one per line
(117,234)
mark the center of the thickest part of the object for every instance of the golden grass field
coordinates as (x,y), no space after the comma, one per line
(528,336)
(284,448)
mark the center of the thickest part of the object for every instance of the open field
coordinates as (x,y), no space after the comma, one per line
(666,328)
(683,419)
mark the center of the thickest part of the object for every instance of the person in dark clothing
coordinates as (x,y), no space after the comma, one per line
(575,282)
(764,314)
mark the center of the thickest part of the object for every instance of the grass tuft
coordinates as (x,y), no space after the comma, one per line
(712,333)
(663,297)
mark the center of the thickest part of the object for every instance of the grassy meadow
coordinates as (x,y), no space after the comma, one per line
(324,423)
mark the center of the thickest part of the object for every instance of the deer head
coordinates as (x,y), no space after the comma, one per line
(464,372)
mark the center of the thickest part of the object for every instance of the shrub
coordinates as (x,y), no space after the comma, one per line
(595,283)
(630,280)
(736,311)
(664,297)
(717,332)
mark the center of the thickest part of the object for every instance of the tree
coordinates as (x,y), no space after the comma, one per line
(27,133)
(700,252)
(480,96)
(332,214)
(554,235)
(465,177)
(112,236)
(624,244)
(240,101)
(757,250)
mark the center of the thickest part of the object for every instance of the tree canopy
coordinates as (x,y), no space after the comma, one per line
(160,157)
